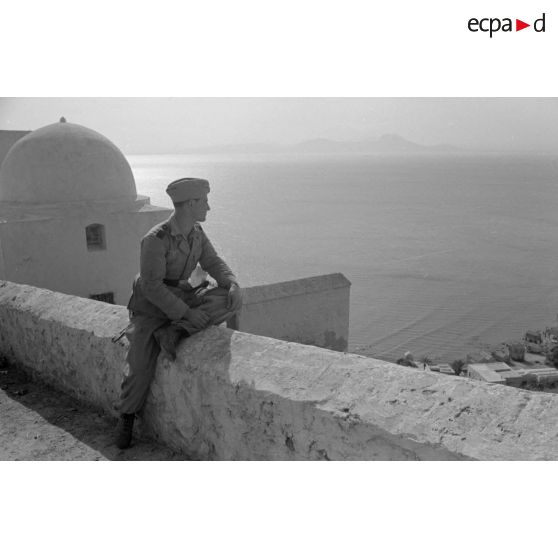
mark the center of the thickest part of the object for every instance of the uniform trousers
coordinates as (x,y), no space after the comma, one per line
(144,350)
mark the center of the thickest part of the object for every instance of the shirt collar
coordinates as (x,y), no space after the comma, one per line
(176,231)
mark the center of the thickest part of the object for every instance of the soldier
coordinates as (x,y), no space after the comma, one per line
(164,307)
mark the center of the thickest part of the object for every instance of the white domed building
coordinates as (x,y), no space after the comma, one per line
(70,217)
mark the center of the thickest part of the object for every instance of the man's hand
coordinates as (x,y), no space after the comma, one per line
(197,317)
(234,301)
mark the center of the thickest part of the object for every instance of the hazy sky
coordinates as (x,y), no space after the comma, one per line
(165,125)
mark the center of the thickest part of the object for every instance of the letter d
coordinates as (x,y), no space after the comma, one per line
(535,25)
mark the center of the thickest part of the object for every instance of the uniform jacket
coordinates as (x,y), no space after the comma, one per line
(166,254)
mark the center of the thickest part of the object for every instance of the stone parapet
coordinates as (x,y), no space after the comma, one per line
(233,395)
(312,310)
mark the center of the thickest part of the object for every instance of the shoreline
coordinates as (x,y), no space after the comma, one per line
(530,363)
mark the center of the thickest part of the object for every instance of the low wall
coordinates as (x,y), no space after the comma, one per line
(312,311)
(232,395)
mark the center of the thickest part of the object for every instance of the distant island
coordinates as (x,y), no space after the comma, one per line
(386,144)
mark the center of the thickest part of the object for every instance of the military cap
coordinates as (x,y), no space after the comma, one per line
(185,189)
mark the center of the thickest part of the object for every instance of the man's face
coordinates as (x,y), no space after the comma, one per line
(200,207)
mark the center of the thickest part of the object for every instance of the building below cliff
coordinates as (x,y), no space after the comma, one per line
(501,373)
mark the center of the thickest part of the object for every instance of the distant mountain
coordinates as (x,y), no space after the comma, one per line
(240,148)
(388,143)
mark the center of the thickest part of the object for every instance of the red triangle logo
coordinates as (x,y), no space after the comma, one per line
(519,25)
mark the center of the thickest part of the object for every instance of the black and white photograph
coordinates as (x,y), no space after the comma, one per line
(279,278)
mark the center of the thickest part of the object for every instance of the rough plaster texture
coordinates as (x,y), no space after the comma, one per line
(232,395)
(64,339)
(313,311)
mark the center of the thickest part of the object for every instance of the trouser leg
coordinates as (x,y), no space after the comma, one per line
(144,349)
(142,361)
(168,337)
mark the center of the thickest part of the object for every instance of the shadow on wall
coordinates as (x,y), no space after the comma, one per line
(186,408)
(236,396)
(219,400)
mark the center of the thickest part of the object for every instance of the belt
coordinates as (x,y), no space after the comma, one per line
(174,283)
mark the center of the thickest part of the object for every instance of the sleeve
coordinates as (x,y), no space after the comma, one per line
(153,268)
(214,265)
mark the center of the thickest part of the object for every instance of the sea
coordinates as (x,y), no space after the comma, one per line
(446,252)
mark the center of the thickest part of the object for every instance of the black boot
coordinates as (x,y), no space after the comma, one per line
(168,337)
(124,430)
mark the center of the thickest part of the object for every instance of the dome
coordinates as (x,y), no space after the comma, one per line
(63,163)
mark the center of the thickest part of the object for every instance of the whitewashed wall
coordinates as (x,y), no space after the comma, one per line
(313,311)
(49,250)
(232,395)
